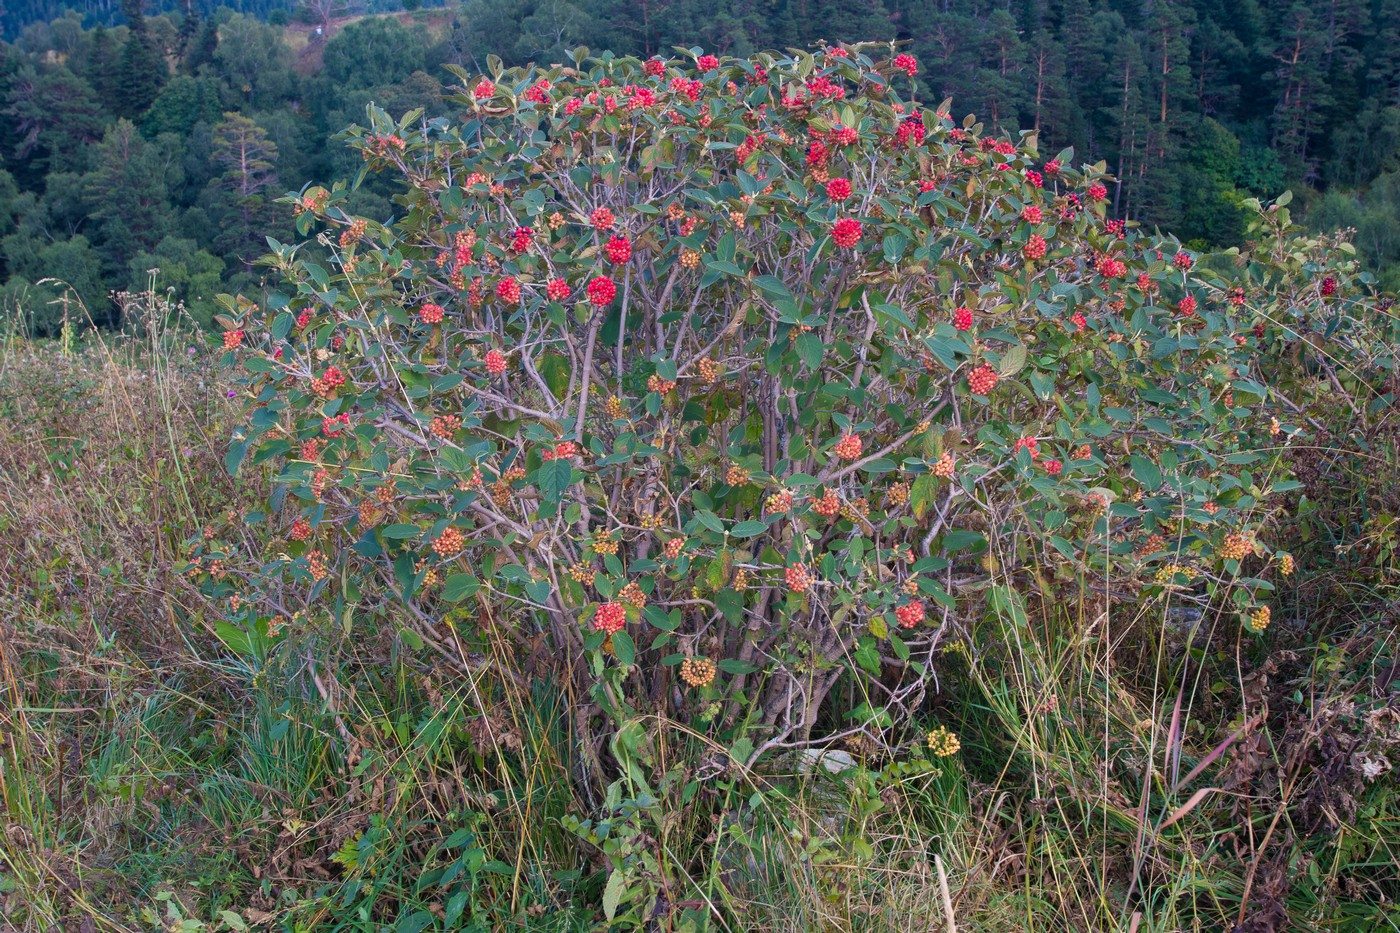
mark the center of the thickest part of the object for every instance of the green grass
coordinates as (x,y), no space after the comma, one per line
(150,777)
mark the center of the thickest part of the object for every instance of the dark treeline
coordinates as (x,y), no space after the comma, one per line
(160,142)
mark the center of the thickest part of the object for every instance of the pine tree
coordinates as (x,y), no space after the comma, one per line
(249,162)
(142,71)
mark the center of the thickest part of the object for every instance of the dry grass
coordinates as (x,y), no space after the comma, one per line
(151,777)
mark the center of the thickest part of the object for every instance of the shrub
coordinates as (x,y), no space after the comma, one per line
(764,363)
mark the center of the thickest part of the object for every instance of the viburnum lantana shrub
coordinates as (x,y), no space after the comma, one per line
(736,380)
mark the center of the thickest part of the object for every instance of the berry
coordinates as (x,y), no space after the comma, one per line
(301,530)
(654,67)
(848,447)
(910,614)
(1026,443)
(430,313)
(942,742)
(1182,261)
(906,63)
(1053,467)
(233,339)
(1032,214)
(1187,306)
(495,362)
(602,219)
(508,290)
(601,291)
(982,380)
(846,232)
(707,63)
(610,618)
(449,542)
(484,89)
(557,290)
(1259,618)
(1329,288)
(1097,192)
(698,672)
(944,467)
(962,318)
(1079,320)
(1035,247)
(838,189)
(618,249)
(828,506)
(1052,167)
(798,578)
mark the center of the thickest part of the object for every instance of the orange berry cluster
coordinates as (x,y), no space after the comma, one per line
(848,447)
(449,542)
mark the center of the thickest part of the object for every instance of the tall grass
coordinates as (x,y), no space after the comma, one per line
(1125,764)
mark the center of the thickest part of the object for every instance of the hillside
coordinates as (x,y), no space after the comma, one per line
(1195,107)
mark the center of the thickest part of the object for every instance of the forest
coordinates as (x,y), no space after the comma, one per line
(138,138)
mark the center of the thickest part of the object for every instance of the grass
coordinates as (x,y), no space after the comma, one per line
(1119,770)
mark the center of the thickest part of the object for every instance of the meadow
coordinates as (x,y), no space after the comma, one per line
(190,741)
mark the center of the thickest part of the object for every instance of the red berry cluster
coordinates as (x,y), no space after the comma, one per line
(618,249)
(495,362)
(982,380)
(430,313)
(911,613)
(798,577)
(233,339)
(846,232)
(962,318)
(1035,247)
(601,291)
(557,290)
(610,618)
(508,290)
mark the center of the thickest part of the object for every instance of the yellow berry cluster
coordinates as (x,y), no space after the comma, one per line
(698,672)
(1259,619)
(1236,546)
(943,742)
(944,467)
(1168,571)
(736,475)
(582,573)
(603,543)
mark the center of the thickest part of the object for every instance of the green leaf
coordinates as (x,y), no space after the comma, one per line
(612,893)
(624,649)
(1006,603)
(772,285)
(1012,361)
(1145,472)
(748,529)
(810,348)
(459,586)
(553,478)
